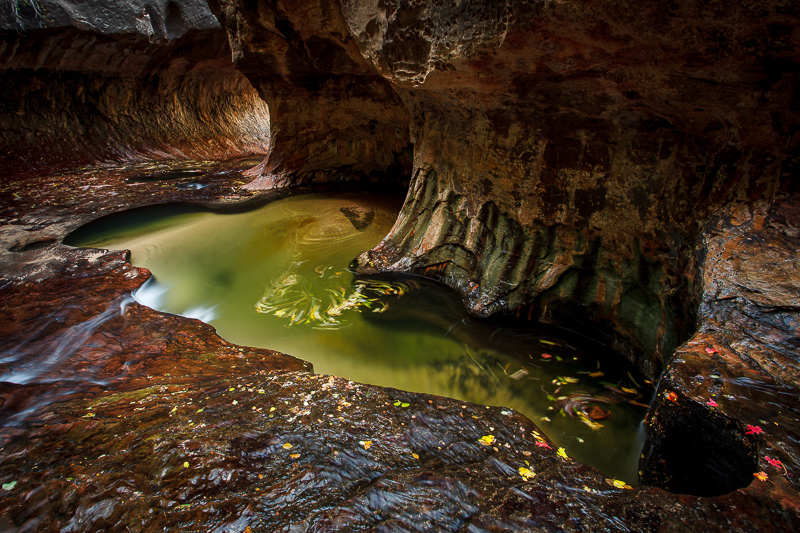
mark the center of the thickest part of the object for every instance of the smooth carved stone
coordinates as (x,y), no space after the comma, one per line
(115,81)
(588,143)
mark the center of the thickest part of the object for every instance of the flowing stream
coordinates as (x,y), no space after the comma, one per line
(277,277)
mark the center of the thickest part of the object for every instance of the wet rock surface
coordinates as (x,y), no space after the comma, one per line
(633,167)
(148,421)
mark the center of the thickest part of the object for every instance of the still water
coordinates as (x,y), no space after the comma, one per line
(277,277)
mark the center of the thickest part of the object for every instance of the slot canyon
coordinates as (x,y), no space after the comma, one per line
(629,171)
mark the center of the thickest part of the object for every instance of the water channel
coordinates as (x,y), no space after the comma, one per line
(276,276)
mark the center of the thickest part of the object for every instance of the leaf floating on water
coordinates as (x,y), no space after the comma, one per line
(629,391)
(618,484)
(526,473)
(546,356)
(519,374)
(761,476)
(549,343)
(10,485)
(563,453)
(487,440)
(589,422)
(596,374)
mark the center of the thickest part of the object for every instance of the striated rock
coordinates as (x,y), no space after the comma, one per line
(113,415)
(566,155)
(126,80)
(627,168)
(331,115)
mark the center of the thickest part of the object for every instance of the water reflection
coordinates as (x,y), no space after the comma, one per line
(277,277)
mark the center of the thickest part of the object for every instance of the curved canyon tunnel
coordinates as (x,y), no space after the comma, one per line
(626,169)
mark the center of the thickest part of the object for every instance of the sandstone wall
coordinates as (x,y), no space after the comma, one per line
(87,81)
(566,154)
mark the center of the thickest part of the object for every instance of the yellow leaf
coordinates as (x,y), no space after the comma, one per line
(571,380)
(526,472)
(761,476)
(629,391)
(186,464)
(596,374)
(294,455)
(618,484)
(365,443)
(486,440)
(563,453)
(287,446)
(415,456)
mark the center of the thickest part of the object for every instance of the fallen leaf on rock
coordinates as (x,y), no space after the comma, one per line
(286,446)
(711,350)
(486,440)
(415,456)
(761,476)
(365,443)
(712,403)
(10,485)
(294,455)
(563,453)
(596,374)
(542,444)
(618,484)
(753,430)
(186,464)
(546,356)
(526,473)
(776,463)
(671,396)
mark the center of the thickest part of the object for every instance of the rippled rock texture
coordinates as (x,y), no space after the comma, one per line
(119,81)
(628,165)
(566,154)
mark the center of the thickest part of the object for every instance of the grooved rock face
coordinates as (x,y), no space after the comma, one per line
(114,81)
(566,154)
